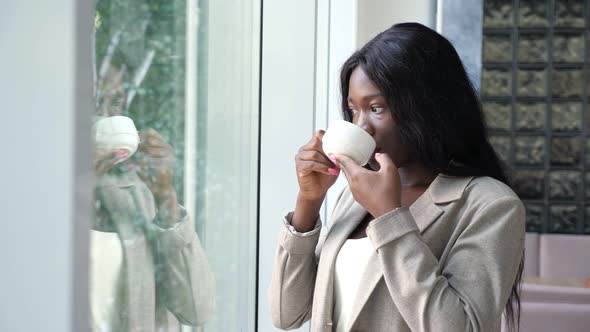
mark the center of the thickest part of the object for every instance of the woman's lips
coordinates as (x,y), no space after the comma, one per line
(377,150)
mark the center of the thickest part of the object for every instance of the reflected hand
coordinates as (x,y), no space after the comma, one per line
(377,191)
(105,160)
(154,160)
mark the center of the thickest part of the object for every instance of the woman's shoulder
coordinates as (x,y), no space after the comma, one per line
(483,191)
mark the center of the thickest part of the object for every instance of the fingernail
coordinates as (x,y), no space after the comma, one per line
(332,158)
(122,153)
(334,170)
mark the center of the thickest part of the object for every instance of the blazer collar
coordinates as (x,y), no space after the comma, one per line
(444,189)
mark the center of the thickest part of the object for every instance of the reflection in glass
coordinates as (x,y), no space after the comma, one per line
(168,252)
(149,271)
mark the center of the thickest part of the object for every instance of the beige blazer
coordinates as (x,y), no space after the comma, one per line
(447,263)
(165,278)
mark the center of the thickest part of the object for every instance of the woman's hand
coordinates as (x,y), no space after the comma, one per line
(315,172)
(105,160)
(154,160)
(377,191)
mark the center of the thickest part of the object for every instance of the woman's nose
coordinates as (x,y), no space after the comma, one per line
(364,122)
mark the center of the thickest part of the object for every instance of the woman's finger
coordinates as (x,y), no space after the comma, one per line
(349,166)
(306,166)
(312,155)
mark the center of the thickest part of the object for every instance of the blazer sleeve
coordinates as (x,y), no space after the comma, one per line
(467,293)
(293,278)
(184,278)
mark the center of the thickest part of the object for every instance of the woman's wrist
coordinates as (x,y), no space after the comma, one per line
(168,210)
(306,213)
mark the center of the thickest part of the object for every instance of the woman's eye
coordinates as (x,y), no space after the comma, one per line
(376,109)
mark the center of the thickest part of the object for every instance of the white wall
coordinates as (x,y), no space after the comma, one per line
(375,16)
(287,122)
(45,88)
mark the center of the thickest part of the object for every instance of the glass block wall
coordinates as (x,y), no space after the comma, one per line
(536,68)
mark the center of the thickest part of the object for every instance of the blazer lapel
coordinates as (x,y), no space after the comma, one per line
(425,212)
(339,232)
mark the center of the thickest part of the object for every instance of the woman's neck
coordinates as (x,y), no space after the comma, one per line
(415,175)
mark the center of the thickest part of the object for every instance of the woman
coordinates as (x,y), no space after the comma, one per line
(149,271)
(429,236)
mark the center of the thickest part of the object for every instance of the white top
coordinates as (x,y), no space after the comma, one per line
(351,263)
(106,261)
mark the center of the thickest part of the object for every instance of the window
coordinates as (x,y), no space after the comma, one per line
(174,239)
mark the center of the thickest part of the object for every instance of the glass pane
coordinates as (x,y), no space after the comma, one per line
(532,13)
(565,184)
(529,184)
(497,115)
(566,117)
(534,217)
(568,48)
(567,82)
(569,13)
(530,116)
(497,82)
(529,150)
(566,151)
(497,13)
(531,82)
(532,48)
(563,218)
(502,146)
(587,186)
(497,48)
(167,252)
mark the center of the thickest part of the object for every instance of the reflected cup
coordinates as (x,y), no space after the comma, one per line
(116,133)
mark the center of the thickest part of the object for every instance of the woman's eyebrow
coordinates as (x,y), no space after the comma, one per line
(375,95)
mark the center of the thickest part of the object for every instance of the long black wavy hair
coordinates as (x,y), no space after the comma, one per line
(436,109)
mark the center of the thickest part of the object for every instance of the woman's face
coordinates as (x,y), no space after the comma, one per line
(369,110)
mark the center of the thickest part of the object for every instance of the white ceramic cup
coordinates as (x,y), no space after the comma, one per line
(343,137)
(116,133)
